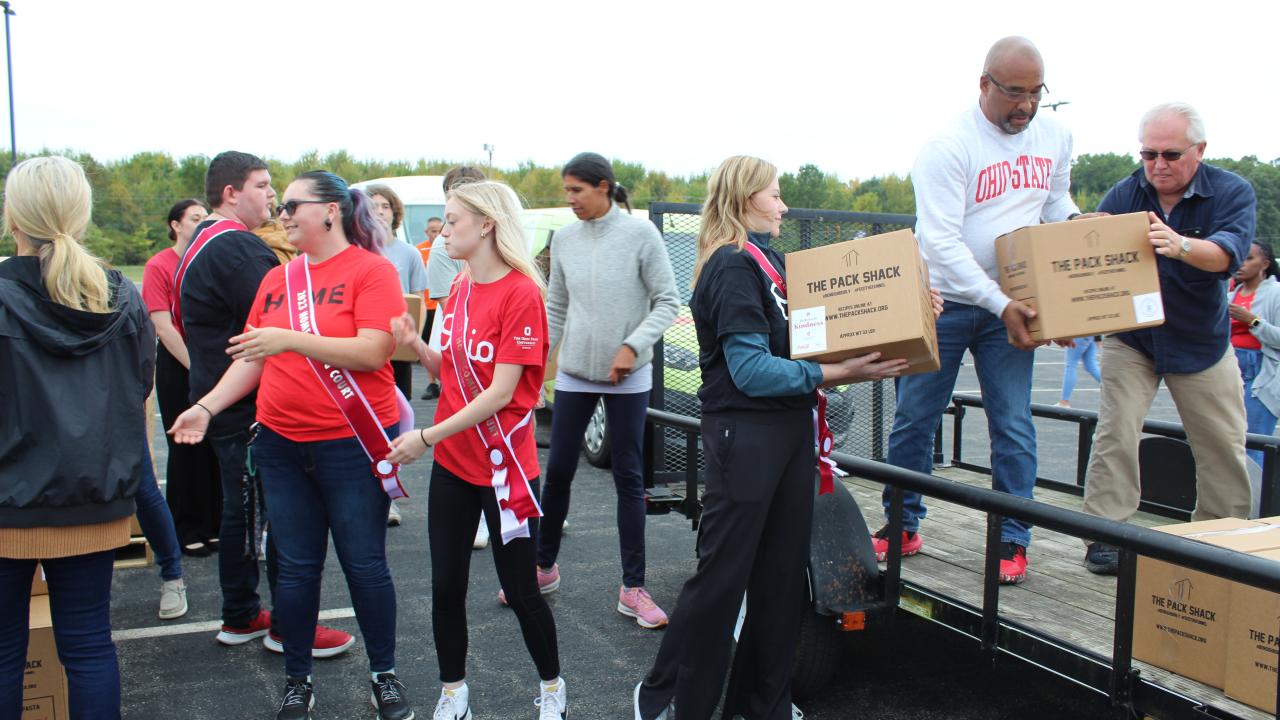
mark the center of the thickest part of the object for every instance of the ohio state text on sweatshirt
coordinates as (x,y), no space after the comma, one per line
(973,183)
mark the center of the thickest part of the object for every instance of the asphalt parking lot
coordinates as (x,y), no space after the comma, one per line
(910,670)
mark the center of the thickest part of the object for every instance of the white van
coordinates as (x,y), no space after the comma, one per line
(423,198)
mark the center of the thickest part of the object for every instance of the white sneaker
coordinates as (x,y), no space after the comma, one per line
(447,708)
(551,701)
(393,515)
(795,713)
(482,535)
(635,703)
(173,599)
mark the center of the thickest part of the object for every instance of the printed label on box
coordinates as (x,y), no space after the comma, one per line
(808,330)
(1148,308)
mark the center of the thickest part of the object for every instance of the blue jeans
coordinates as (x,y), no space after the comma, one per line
(626,414)
(237,562)
(1004,375)
(80,598)
(157,522)
(1087,350)
(314,489)
(1260,419)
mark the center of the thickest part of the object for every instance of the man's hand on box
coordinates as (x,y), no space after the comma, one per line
(1015,319)
(1086,216)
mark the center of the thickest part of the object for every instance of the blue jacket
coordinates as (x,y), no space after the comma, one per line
(1218,206)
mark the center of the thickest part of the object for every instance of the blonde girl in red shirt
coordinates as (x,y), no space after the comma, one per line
(493,352)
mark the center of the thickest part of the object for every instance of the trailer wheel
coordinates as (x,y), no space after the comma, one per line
(817,655)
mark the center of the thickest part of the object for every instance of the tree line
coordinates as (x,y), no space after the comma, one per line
(133,195)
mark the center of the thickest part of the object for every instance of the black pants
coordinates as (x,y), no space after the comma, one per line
(403,370)
(626,415)
(237,562)
(758,510)
(192,487)
(453,511)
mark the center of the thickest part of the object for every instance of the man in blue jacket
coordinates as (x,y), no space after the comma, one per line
(1202,222)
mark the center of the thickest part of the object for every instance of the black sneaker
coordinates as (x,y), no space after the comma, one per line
(1102,559)
(432,392)
(390,699)
(298,700)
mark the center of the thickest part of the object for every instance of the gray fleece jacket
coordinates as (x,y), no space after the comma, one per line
(611,285)
(1266,305)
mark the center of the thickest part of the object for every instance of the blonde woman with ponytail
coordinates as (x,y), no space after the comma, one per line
(493,349)
(79,351)
(759,444)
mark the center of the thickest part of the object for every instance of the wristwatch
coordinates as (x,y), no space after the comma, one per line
(1184,249)
(1254,323)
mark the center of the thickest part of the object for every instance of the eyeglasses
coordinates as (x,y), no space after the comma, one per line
(1168,155)
(291,206)
(1018,96)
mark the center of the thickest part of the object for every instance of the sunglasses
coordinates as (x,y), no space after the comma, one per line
(291,206)
(1168,155)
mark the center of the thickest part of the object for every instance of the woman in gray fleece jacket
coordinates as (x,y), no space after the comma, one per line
(611,295)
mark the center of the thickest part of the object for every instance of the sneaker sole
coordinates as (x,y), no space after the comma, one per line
(276,646)
(373,700)
(234,638)
(479,546)
(884,556)
(174,615)
(393,523)
(1012,579)
(1102,568)
(639,620)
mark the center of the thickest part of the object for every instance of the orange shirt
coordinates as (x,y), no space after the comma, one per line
(352,290)
(424,247)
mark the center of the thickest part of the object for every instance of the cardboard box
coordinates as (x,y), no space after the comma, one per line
(135,529)
(1180,615)
(862,296)
(408,354)
(39,584)
(44,684)
(1253,636)
(1083,277)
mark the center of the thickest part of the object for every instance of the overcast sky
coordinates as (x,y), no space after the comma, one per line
(853,87)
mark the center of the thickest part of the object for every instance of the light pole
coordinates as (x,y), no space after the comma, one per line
(489,149)
(8,54)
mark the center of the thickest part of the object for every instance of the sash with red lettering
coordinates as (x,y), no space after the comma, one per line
(201,240)
(821,432)
(342,386)
(516,502)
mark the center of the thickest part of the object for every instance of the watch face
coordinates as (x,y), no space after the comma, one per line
(1186,245)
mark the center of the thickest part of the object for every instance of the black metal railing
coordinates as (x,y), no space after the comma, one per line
(1115,676)
(1087,422)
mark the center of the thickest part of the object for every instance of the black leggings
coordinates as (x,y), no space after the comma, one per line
(453,511)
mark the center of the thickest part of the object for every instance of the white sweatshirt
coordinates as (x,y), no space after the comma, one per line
(974,182)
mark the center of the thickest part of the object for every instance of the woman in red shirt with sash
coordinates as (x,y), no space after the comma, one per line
(493,352)
(316,348)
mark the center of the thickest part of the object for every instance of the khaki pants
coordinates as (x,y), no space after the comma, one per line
(1211,405)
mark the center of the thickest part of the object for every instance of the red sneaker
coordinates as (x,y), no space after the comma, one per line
(1013,563)
(329,642)
(240,635)
(911,543)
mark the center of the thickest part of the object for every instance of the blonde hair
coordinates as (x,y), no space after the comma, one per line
(48,199)
(498,202)
(724,214)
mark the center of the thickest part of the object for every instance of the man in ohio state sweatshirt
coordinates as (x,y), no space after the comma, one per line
(996,168)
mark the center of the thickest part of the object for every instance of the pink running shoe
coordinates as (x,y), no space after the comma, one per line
(636,603)
(548,582)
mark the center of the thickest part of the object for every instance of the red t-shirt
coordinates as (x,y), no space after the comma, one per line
(157,280)
(1240,335)
(352,290)
(507,324)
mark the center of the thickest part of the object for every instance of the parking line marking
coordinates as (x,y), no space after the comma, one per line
(203,627)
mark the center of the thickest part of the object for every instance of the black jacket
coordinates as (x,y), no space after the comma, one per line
(72,388)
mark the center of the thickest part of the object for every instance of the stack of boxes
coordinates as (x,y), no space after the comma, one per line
(1221,633)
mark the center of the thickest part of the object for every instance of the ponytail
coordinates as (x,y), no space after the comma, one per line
(620,196)
(48,200)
